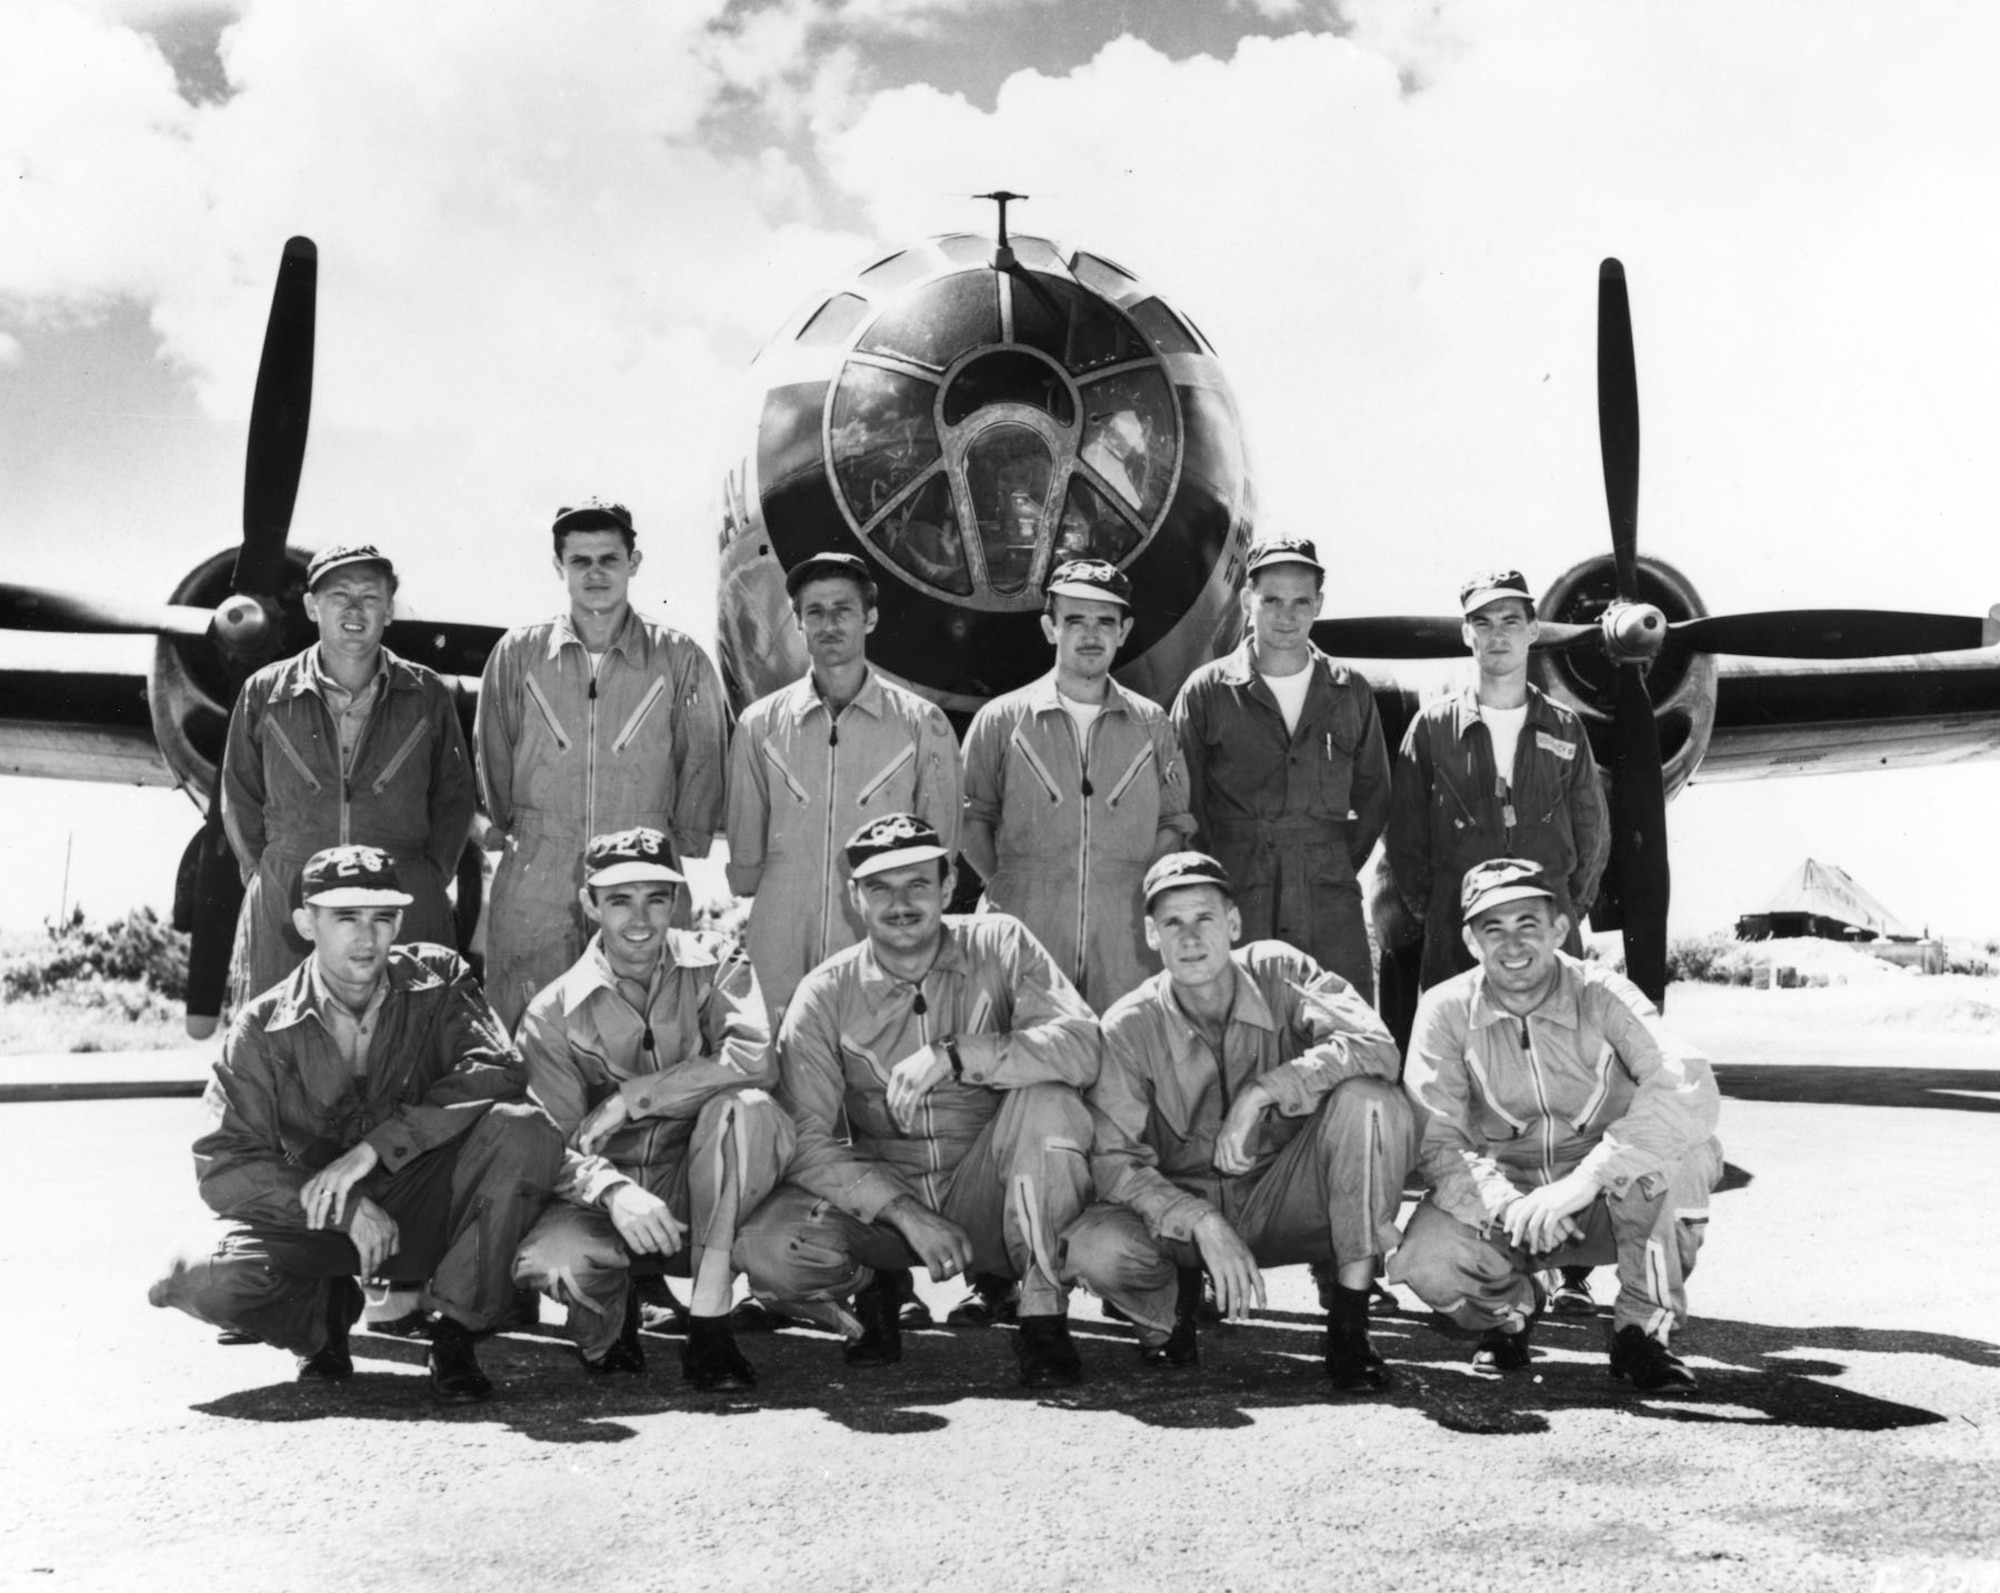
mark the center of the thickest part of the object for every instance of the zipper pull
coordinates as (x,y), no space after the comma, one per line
(1525,1045)
(646,1040)
(1088,789)
(833,734)
(593,688)
(919,1006)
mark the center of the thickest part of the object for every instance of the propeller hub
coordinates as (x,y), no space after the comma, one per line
(1634,632)
(242,624)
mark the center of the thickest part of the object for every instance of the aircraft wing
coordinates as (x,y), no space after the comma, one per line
(1795,716)
(83,723)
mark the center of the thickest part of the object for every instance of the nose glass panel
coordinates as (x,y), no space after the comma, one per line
(882,437)
(921,534)
(1008,470)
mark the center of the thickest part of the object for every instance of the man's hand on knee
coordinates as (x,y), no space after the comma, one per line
(1239,1284)
(1540,1220)
(374,1233)
(644,1221)
(1232,1144)
(943,1247)
(324,1195)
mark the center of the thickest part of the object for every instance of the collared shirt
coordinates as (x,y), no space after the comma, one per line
(283,1101)
(1591,1079)
(352,1033)
(642,738)
(801,781)
(1017,1022)
(1163,1093)
(350,709)
(1075,820)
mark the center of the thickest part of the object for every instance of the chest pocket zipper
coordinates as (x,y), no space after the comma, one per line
(776,760)
(548,713)
(402,756)
(292,754)
(907,756)
(631,727)
(1020,744)
(1132,773)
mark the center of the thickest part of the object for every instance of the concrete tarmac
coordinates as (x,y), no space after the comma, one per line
(1847,1432)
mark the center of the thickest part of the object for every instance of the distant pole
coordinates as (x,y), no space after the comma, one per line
(62,908)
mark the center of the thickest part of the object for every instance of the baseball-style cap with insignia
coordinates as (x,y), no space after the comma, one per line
(896,840)
(1492,585)
(352,876)
(344,553)
(1179,869)
(1093,580)
(626,857)
(1500,881)
(1284,550)
(593,514)
(828,566)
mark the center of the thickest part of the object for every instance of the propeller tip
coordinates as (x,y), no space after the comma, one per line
(301,248)
(1612,270)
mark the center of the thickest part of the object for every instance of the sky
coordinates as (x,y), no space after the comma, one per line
(552,240)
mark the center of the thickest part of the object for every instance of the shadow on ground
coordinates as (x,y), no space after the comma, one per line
(1939,1089)
(1751,1375)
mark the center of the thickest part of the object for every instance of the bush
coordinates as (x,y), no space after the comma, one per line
(1716,959)
(137,949)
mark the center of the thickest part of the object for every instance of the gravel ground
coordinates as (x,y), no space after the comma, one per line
(1845,1434)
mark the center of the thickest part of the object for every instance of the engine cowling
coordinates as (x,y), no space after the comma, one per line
(1581,678)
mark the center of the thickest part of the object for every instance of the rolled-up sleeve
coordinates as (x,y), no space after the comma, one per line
(1052,1037)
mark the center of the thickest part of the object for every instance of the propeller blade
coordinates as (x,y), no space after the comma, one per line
(1835,633)
(278,419)
(1618,423)
(39,608)
(1392,636)
(1639,833)
(218,896)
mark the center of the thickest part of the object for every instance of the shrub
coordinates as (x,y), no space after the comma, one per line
(1715,959)
(138,948)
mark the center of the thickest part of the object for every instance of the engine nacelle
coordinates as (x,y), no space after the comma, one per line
(190,687)
(1682,683)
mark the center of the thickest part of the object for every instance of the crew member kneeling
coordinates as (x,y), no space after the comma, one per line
(649,1054)
(1246,1113)
(954,1050)
(366,1120)
(1564,1127)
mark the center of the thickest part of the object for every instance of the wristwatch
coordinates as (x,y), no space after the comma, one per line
(957,1061)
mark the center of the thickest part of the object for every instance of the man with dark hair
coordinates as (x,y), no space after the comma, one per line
(594,721)
(342,743)
(651,1054)
(366,1120)
(1286,768)
(932,1072)
(1563,1124)
(1247,1114)
(814,760)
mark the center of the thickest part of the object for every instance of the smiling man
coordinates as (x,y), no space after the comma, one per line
(1246,1114)
(932,1072)
(1563,1126)
(1286,768)
(366,1120)
(594,721)
(652,1055)
(343,744)
(814,760)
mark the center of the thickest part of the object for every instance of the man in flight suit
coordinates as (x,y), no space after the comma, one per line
(952,1050)
(1562,1125)
(652,1055)
(812,762)
(1246,1113)
(1495,770)
(366,1119)
(595,721)
(343,743)
(1286,769)
(1072,787)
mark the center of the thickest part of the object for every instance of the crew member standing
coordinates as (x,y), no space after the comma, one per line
(345,743)
(595,721)
(1073,786)
(1286,768)
(813,762)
